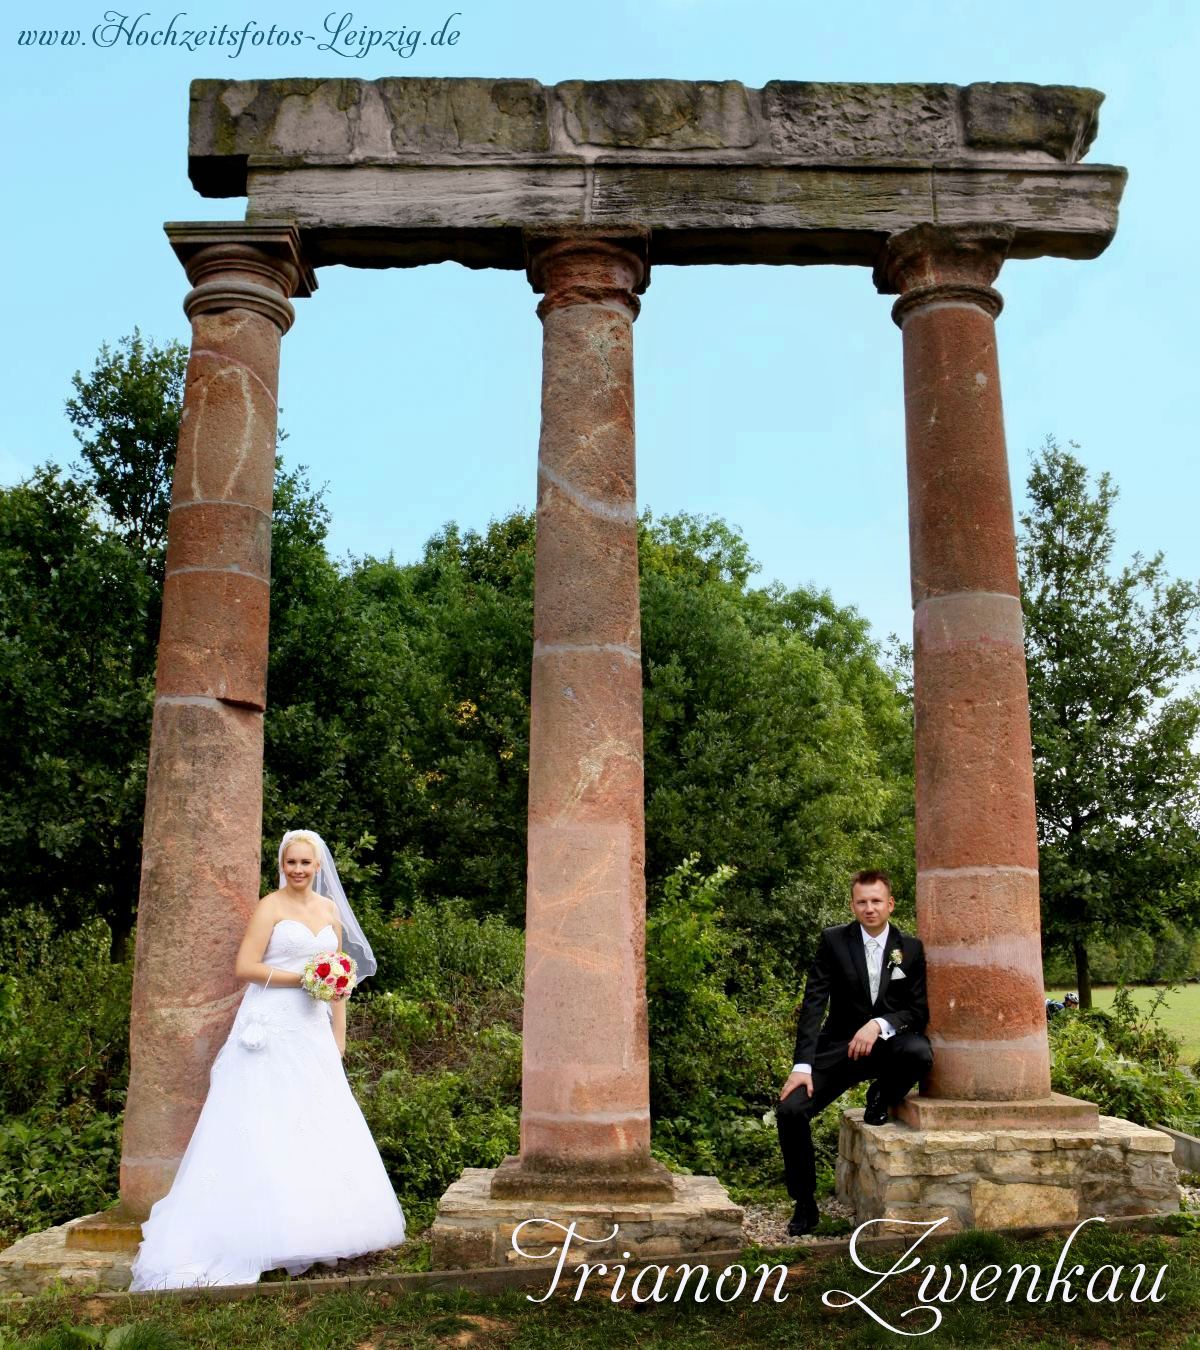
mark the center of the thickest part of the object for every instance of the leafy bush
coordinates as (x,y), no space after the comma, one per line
(55,1167)
(64,1042)
(64,1016)
(443,950)
(1123,1061)
(434,1052)
(715,1065)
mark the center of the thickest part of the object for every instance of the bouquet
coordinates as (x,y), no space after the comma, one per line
(329,977)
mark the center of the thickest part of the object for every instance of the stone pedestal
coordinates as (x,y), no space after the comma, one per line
(1004,1177)
(65,1256)
(474,1229)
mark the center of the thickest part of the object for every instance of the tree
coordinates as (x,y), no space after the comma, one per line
(126,419)
(398,698)
(1117,779)
(76,692)
(81,558)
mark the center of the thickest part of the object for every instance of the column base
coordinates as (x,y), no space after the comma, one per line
(474,1227)
(1000,1176)
(1055,1112)
(112,1230)
(516,1180)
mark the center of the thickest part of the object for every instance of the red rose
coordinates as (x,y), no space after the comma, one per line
(346,965)
(323,969)
(342,982)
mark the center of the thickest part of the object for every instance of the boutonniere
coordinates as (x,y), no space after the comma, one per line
(895,956)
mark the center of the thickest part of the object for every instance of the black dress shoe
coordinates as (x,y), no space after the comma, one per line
(876,1112)
(805,1218)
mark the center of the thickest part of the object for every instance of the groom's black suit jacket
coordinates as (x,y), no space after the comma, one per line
(838,979)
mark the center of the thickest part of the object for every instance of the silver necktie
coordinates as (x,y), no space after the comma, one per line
(874,966)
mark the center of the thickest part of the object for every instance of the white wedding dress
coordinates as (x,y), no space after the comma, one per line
(281,1170)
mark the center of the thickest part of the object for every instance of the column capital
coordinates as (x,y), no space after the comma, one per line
(588,267)
(953,264)
(235,265)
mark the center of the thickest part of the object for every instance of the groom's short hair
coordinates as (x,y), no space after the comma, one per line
(868,876)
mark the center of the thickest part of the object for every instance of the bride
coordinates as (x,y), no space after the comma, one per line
(281,1170)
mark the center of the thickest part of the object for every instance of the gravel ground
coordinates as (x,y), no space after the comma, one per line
(767,1224)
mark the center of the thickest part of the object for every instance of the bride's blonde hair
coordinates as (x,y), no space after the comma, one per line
(302,837)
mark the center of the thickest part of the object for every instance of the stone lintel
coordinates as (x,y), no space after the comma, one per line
(474,1228)
(1056,1112)
(278,240)
(379,215)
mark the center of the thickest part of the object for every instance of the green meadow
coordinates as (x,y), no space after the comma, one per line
(1179,1011)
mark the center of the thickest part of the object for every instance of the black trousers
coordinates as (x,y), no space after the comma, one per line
(896,1064)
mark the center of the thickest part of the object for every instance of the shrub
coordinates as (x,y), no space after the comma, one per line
(64,1016)
(1123,1061)
(434,1052)
(715,1066)
(56,1166)
(64,1042)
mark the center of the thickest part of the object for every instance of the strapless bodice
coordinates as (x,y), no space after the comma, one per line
(291,946)
(293,943)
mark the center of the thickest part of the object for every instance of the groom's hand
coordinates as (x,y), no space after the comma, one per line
(864,1038)
(795,1080)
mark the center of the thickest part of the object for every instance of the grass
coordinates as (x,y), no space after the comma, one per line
(378,1318)
(1179,1012)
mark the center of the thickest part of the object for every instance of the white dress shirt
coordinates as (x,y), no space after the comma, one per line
(886,1030)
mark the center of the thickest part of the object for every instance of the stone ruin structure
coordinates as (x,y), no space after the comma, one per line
(588,187)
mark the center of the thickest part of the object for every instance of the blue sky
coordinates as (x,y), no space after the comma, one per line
(769,396)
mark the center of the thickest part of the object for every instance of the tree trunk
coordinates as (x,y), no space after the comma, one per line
(1083,974)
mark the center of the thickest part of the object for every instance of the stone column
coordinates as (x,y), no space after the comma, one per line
(201,845)
(585,1119)
(977,858)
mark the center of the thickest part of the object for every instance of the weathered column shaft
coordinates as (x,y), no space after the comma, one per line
(976,830)
(202,836)
(585,1086)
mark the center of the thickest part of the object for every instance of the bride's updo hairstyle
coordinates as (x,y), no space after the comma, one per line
(294,837)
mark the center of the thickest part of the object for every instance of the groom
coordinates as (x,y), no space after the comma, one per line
(871,976)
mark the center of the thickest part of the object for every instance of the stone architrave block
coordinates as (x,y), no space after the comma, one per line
(657,114)
(1059,120)
(862,121)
